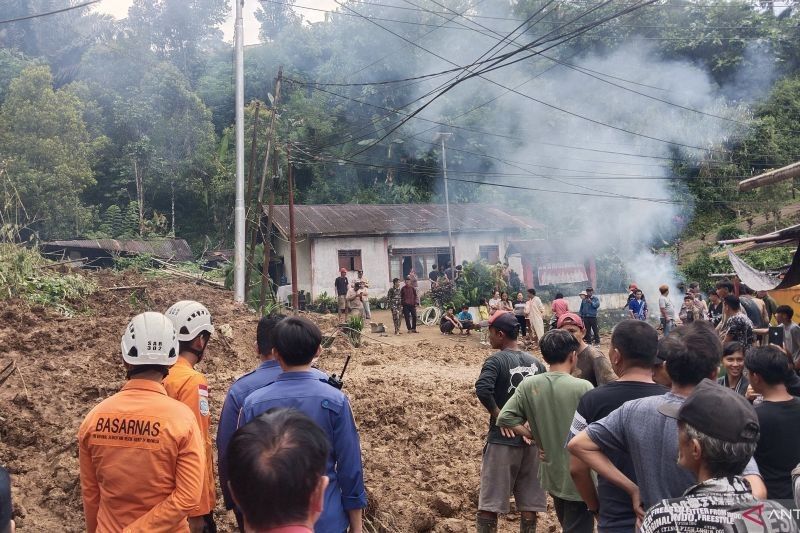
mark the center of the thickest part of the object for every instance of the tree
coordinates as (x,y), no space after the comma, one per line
(47,151)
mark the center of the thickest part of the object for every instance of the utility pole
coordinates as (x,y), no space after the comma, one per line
(249,197)
(292,237)
(442,136)
(239,239)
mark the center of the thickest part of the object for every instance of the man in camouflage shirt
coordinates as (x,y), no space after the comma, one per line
(395,304)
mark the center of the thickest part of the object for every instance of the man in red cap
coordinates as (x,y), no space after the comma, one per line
(342,284)
(593,365)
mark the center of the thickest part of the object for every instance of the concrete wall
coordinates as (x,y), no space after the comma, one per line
(374,261)
(322,257)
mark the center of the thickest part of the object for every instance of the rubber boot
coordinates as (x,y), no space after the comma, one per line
(486,525)
(527,526)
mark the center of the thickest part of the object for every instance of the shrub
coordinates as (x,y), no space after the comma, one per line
(728,231)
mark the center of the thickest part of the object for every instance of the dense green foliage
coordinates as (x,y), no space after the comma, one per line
(121,128)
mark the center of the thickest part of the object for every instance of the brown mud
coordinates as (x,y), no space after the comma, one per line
(413,398)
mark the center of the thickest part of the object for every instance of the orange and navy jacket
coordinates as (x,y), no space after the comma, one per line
(141,462)
(190,387)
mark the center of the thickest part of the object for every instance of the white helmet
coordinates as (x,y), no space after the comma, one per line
(190,318)
(150,339)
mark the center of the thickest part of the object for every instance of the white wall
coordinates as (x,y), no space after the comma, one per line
(374,261)
(322,256)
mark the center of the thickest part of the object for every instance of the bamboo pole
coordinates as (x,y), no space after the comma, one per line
(268,239)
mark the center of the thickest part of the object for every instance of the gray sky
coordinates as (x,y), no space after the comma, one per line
(119,9)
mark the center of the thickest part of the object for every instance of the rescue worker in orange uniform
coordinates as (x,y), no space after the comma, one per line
(194,328)
(141,454)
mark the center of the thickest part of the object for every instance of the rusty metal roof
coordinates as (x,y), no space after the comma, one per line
(174,249)
(381,219)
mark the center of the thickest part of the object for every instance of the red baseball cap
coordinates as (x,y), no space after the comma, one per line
(503,320)
(572,317)
(343,270)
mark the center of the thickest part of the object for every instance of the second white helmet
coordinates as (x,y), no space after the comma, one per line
(150,339)
(190,318)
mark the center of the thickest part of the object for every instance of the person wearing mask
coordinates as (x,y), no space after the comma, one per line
(510,463)
(714,308)
(733,363)
(141,454)
(632,353)
(278,472)
(592,364)
(194,329)
(542,409)
(534,313)
(777,452)
(716,437)
(342,284)
(588,311)
(395,304)
(791,333)
(666,309)
(637,429)
(296,341)
(519,313)
(736,326)
(266,374)
(408,297)
(637,306)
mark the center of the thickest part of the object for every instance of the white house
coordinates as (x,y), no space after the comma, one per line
(387,241)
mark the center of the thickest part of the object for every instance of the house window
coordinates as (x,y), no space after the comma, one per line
(421,260)
(490,253)
(350,259)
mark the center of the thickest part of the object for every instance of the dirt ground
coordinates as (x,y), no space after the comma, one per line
(421,426)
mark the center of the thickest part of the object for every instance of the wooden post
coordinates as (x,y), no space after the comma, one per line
(268,238)
(270,133)
(248,199)
(770,177)
(292,239)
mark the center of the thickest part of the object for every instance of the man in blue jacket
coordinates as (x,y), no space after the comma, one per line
(296,341)
(266,374)
(589,306)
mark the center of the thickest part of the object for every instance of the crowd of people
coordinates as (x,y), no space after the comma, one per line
(690,430)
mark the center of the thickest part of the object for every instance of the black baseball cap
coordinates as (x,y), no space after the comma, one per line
(505,321)
(717,411)
(589,289)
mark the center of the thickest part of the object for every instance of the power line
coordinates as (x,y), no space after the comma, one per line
(48,13)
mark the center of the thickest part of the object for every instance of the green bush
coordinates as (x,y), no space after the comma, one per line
(477,282)
(324,304)
(728,231)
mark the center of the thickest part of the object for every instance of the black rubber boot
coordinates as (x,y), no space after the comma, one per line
(527,526)
(486,525)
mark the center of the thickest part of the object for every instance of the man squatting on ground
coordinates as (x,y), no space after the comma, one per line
(142,459)
(277,475)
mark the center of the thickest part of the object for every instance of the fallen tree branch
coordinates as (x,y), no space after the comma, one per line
(125,288)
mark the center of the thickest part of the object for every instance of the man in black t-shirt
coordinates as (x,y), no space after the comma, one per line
(342,284)
(777,452)
(632,353)
(509,464)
